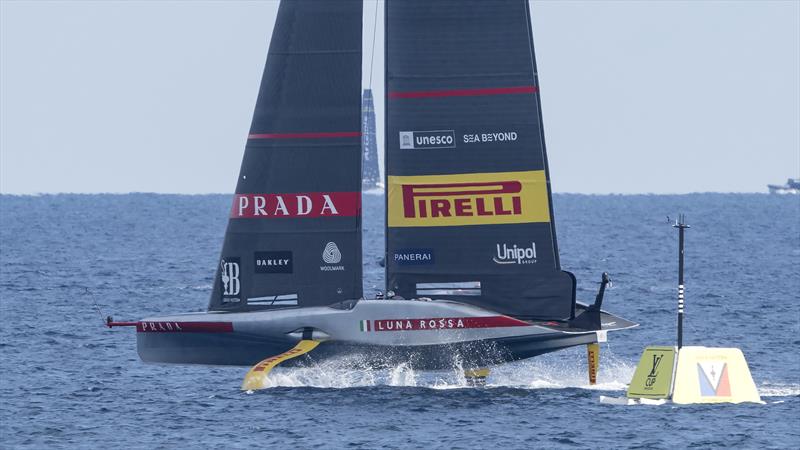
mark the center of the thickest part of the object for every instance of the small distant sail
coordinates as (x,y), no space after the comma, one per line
(468,186)
(370,172)
(294,233)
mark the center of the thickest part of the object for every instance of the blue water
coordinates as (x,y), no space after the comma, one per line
(69,382)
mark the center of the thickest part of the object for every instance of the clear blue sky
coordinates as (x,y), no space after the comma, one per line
(638,96)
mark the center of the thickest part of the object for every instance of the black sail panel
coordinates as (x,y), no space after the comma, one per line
(469,210)
(294,233)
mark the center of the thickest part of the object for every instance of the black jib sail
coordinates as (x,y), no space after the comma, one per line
(469,210)
(294,233)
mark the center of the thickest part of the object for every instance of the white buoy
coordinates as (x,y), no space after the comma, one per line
(713,375)
(689,374)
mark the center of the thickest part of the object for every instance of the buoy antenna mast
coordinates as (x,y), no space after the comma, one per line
(680,224)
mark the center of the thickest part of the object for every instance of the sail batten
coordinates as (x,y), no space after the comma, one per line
(294,230)
(468,186)
(465,92)
(307,135)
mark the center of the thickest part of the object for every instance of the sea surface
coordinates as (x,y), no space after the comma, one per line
(66,381)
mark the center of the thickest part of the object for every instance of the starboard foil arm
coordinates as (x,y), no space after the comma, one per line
(257,375)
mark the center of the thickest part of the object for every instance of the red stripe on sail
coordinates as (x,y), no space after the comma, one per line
(465,92)
(184,327)
(447,323)
(297,205)
(320,135)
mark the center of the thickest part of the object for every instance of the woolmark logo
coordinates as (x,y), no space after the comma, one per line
(229,274)
(515,255)
(331,256)
(427,139)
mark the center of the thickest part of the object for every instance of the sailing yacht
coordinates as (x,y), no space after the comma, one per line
(473,274)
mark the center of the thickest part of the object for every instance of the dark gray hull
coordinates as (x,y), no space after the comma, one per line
(362,335)
(242,350)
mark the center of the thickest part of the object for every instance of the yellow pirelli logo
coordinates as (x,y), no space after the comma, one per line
(468,199)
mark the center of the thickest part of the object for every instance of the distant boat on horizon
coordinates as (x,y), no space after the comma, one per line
(792,186)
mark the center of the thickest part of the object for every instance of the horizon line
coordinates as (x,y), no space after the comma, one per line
(40,194)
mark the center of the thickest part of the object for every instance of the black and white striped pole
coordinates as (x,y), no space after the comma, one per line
(680,224)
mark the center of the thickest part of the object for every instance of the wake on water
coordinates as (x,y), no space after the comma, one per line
(565,370)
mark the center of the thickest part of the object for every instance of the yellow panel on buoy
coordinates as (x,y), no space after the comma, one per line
(653,376)
(257,375)
(713,375)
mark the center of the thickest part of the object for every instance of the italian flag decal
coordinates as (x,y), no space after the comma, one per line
(364,325)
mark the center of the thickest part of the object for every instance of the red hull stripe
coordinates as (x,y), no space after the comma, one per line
(184,327)
(297,205)
(465,92)
(446,323)
(321,135)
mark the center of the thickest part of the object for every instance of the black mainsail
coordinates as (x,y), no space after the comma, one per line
(294,233)
(469,210)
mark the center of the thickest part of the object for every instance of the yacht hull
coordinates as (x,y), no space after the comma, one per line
(430,335)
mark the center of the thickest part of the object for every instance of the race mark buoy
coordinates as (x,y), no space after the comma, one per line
(690,374)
